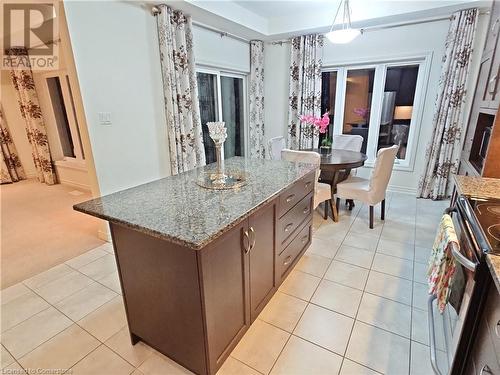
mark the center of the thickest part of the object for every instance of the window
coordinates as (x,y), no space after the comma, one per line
(380,102)
(221,97)
(61,101)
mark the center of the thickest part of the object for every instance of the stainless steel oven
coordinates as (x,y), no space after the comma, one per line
(454,327)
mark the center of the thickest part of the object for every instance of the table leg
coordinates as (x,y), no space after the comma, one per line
(335,213)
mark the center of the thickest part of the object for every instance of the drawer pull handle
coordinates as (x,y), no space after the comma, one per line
(252,244)
(497,329)
(287,260)
(246,244)
(290,198)
(492,84)
(494,27)
(288,227)
(306,210)
(305,238)
(485,370)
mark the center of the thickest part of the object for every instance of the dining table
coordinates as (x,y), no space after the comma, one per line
(335,167)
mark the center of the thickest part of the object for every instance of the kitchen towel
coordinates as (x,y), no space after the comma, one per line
(441,262)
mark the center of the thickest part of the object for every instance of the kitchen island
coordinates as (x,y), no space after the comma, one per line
(197,266)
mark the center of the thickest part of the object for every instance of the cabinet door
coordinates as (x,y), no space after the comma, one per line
(261,257)
(224,273)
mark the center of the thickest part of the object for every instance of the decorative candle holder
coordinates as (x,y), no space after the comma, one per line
(218,133)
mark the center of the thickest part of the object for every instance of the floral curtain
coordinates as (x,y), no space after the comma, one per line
(257,148)
(443,152)
(12,170)
(180,90)
(305,90)
(24,85)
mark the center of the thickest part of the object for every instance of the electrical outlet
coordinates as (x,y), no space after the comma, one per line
(105,118)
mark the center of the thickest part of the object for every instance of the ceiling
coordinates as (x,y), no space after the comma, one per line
(277,19)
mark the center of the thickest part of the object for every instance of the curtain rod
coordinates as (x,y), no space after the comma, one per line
(156,10)
(389,26)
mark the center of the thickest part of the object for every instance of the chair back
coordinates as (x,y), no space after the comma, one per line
(309,157)
(347,142)
(382,171)
(274,147)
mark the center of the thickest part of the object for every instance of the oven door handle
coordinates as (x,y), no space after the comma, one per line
(432,335)
(463,260)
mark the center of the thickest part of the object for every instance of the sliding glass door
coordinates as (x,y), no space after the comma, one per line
(222,98)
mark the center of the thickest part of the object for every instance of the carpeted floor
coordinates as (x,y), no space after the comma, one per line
(39,228)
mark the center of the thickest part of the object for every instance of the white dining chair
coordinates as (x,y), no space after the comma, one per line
(371,191)
(347,142)
(322,191)
(274,147)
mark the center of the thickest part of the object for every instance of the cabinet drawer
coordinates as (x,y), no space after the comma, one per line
(291,196)
(293,218)
(492,315)
(289,255)
(485,359)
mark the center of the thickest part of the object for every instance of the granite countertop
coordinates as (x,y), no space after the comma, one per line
(493,262)
(478,187)
(176,209)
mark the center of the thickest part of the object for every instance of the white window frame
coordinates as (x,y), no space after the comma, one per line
(70,114)
(380,65)
(232,74)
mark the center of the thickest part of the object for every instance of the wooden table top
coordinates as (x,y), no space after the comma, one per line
(341,159)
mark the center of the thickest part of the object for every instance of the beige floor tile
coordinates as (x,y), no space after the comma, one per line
(425,238)
(283,311)
(158,364)
(330,230)
(20,309)
(355,256)
(420,328)
(61,351)
(420,296)
(337,297)
(64,286)
(324,248)
(102,361)
(112,281)
(318,324)
(134,354)
(352,368)
(386,314)
(393,266)
(396,249)
(11,293)
(400,233)
(347,274)
(421,363)
(107,247)
(380,350)
(86,258)
(420,273)
(45,277)
(107,320)
(422,254)
(100,268)
(362,225)
(137,372)
(313,264)
(85,301)
(27,335)
(234,367)
(301,357)
(14,368)
(300,285)
(389,286)
(361,241)
(6,359)
(260,346)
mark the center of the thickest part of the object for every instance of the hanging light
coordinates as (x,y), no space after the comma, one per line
(346,34)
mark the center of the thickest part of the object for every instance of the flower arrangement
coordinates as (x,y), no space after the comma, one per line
(362,112)
(321,123)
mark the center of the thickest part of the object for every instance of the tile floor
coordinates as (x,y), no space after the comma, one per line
(354,304)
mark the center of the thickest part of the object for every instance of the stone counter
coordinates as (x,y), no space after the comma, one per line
(176,209)
(478,187)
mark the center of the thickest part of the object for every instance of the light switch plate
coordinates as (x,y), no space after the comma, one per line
(104,118)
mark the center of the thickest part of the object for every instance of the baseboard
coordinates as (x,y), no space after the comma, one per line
(76,185)
(402,189)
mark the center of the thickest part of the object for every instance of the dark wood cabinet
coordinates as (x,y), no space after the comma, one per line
(194,305)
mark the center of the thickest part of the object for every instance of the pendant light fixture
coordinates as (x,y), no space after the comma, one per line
(346,33)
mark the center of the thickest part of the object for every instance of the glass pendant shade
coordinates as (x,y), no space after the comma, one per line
(343,36)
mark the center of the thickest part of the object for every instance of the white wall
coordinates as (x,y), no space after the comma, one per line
(115,46)
(15,121)
(372,46)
